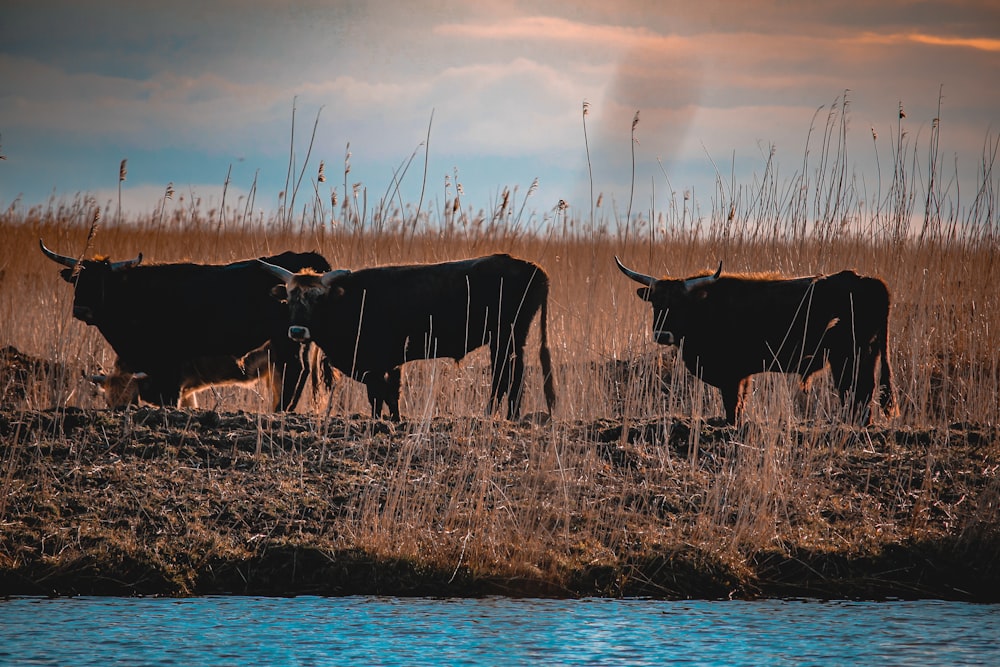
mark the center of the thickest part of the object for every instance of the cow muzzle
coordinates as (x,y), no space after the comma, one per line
(298,333)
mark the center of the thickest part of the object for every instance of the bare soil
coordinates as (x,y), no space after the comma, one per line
(183,502)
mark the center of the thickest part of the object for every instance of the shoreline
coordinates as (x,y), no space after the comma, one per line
(164,502)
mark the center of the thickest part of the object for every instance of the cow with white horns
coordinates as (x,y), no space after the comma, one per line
(730,327)
(164,321)
(370,322)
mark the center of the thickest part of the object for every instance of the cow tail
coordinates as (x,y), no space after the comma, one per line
(319,370)
(886,397)
(544,357)
(323,368)
(313,369)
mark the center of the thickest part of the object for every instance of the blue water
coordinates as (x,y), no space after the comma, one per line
(222,631)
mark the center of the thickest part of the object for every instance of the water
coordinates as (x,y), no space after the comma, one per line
(222,631)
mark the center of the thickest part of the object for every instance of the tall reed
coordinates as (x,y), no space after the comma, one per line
(479,492)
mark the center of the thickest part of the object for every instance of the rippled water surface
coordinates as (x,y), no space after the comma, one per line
(496,631)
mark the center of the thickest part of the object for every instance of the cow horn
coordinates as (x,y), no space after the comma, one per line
(126,263)
(279,272)
(634,275)
(702,281)
(71,263)
(68,262)
(330,276)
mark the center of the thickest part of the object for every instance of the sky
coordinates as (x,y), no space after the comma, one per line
(492,93)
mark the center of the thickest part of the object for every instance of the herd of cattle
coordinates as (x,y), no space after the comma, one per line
(178,328)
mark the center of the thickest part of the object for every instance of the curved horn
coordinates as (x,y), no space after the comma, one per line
(634,275)
(126,263)
(68,262)
(279,272)
(702,281)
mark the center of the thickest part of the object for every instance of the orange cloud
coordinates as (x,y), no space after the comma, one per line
(981,44)
(978,43)
(549,28)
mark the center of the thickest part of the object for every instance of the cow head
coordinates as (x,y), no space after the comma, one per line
(303,292)
(93,281)
(120,387)
(676,302)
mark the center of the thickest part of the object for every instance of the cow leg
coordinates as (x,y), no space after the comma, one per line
(165,398)
(160,390)
(374,396)
(496,371)
(290,373)
(854,375)
(733,398)
(383,389)
(501,364)
(864,389)
(283,380)
(516,385)
(393,381)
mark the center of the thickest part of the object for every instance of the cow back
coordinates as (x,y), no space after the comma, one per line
(745,326)
(386,316)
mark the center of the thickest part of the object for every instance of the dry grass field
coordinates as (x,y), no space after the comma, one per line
(635,487)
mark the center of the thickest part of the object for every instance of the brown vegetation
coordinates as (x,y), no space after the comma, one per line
(182,502)
(633,488)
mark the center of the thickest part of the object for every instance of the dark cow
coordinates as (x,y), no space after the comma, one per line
(372,321)
(123,388)
(732,327)
(161,319)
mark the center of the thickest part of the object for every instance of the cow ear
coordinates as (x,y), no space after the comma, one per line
(644,293)
(280,292)
(67,275)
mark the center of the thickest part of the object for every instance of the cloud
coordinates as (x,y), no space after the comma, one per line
(164,109)
(505,81)
(979,44)
(553,29)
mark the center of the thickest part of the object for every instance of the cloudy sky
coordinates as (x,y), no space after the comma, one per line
(188,90)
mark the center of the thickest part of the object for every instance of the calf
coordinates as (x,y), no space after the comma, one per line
(123,388)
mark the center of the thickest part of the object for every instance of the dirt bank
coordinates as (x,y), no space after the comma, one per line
(172,502)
